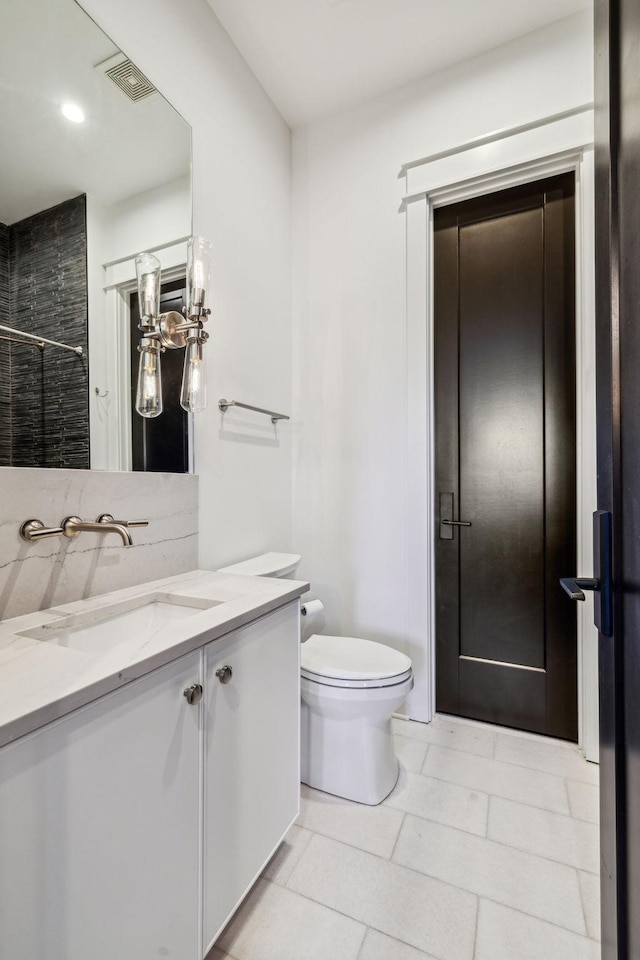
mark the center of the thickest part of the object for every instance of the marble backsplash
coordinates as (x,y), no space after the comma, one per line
(34,576)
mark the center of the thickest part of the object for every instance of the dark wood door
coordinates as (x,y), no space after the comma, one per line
(160,444)
(618,423)
(505,457)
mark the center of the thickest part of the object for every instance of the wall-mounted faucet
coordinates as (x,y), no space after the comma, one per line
(73,526)
(34,530)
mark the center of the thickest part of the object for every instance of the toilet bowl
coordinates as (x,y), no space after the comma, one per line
(350,687)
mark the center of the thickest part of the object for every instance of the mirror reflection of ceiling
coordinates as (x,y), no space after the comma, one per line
(48,57)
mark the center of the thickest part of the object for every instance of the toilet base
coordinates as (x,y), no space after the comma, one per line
(346,741)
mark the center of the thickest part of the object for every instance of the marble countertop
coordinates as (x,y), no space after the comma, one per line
(41,681)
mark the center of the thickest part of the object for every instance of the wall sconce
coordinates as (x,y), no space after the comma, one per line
(173,331)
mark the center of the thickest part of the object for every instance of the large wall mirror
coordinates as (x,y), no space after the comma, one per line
(95,167)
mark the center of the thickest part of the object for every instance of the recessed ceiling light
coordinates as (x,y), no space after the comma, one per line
(73,112)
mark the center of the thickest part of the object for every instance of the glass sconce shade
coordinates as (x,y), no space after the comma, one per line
(193,395)
(148,273)
(170,331)
(149,393)
(199,256)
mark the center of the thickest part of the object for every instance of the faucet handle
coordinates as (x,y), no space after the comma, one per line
(107,518)
(34,530)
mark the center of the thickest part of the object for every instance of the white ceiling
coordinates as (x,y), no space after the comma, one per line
(48,53)
(316,57)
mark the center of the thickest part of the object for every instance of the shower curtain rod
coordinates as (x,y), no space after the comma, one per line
(53,343)
(25,343)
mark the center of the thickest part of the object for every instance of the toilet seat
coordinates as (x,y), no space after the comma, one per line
(352,662)
(355,684)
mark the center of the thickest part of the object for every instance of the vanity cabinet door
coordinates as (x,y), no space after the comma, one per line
(99,828)
(252,777)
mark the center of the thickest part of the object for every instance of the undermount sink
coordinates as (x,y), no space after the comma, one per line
(102,630)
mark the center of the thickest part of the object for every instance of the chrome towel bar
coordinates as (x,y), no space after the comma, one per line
(225,404)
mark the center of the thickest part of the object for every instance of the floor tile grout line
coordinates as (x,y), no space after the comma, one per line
(421,873)
(404,814)
(361,947)
(479,898)
(579,870)
(467,723)
(500,730)
(593,767)
(402,822)
(425,739)
(447,746)
(508,732)
(501,903)
(533,770)
(584,911)
(499,843)
(475,932)
(530,806)
(459,829)
(492,756)
(528,766)
(530,916)
(367,926)
(463,786)
(355,846)
(319,903)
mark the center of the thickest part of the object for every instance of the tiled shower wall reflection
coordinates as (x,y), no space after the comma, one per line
(5,351)
(44,402)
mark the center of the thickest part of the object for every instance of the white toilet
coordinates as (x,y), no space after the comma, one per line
(350,688)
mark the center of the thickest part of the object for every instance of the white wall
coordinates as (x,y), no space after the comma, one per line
(242,203)
(158,216)
(351,513)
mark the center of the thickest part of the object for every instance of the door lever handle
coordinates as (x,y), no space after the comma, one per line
(602,581)
(575,585)
(456,523)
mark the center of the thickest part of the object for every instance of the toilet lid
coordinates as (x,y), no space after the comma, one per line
(351,658)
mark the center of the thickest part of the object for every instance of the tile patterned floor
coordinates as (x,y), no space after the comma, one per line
(487,849)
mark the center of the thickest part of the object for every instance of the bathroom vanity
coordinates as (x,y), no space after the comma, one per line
(147,772)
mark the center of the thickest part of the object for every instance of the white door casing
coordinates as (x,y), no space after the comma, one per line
(507,158)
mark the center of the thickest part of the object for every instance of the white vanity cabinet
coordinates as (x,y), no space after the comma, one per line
(251,756)
(133,827)
(99,828)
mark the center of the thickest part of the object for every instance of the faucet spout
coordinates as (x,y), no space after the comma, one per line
(72,526)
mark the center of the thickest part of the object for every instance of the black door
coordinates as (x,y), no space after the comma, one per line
(618,424)
(505,457)
(160,444)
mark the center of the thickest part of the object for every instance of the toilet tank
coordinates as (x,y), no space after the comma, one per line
(266,565)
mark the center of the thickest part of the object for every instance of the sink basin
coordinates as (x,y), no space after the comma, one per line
(112,626)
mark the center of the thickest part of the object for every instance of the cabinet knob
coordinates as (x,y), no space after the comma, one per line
(224,674)
(193,693)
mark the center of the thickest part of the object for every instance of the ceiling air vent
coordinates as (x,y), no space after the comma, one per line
(126,76)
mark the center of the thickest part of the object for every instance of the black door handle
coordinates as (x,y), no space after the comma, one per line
(575,585)
(446,513)
(601,583)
